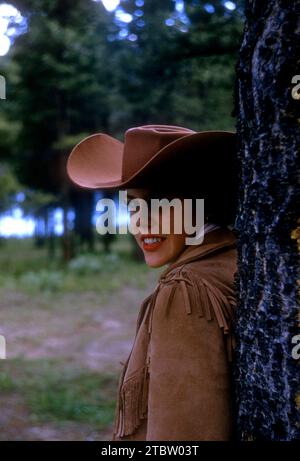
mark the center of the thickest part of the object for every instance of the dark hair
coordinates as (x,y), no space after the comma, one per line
(217,209)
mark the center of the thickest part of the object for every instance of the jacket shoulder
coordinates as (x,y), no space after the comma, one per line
(201,297)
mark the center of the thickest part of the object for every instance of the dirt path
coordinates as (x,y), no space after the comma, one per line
(85,330)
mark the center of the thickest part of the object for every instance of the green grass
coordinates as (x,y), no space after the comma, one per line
(54,392)
(26,268)
(7,385)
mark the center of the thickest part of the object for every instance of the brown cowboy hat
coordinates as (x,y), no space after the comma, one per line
(162,157)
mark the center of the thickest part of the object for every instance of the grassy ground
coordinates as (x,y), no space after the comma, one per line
(67,328)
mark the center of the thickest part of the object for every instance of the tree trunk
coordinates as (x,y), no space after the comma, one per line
(83,203)
(67,244)
(269,137)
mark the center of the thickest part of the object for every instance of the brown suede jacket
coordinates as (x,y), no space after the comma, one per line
(175,384)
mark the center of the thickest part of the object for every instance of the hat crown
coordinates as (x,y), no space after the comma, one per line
(143,142)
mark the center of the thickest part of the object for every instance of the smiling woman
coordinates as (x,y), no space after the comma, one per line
(176,381)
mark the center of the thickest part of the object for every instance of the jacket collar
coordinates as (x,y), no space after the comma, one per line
(213,241)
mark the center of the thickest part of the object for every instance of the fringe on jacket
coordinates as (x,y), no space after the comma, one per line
(198,294)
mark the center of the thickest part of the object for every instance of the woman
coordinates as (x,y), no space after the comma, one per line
(175,384)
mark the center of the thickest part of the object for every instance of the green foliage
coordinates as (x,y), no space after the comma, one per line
(7,384)
(75,81)
(181,75)
(72,74)
(61,84)
(60,393)
(44,280)
(9,131)
(91,264)
(73,397)
(29,270)
(67,142)
(36,200)
(9,186)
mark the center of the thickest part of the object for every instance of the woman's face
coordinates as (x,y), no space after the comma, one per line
(159,249)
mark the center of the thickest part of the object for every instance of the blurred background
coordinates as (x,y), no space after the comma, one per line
(70,297)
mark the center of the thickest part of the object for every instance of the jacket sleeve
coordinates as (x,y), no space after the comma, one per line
(189,387)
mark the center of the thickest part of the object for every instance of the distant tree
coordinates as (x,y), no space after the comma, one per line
(9,187)
(176,67)
(61,91)
(89,71)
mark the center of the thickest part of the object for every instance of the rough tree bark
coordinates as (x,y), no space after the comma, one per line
(267,375)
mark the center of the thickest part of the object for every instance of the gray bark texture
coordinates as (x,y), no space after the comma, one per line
(267,375)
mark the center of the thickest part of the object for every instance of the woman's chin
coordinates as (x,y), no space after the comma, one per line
(164,253)
(153,260)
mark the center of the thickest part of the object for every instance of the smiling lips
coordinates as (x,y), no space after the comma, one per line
(152,242)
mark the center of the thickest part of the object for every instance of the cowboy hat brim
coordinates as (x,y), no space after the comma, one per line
(96,162)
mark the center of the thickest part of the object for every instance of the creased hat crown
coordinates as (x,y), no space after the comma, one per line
(143,142)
